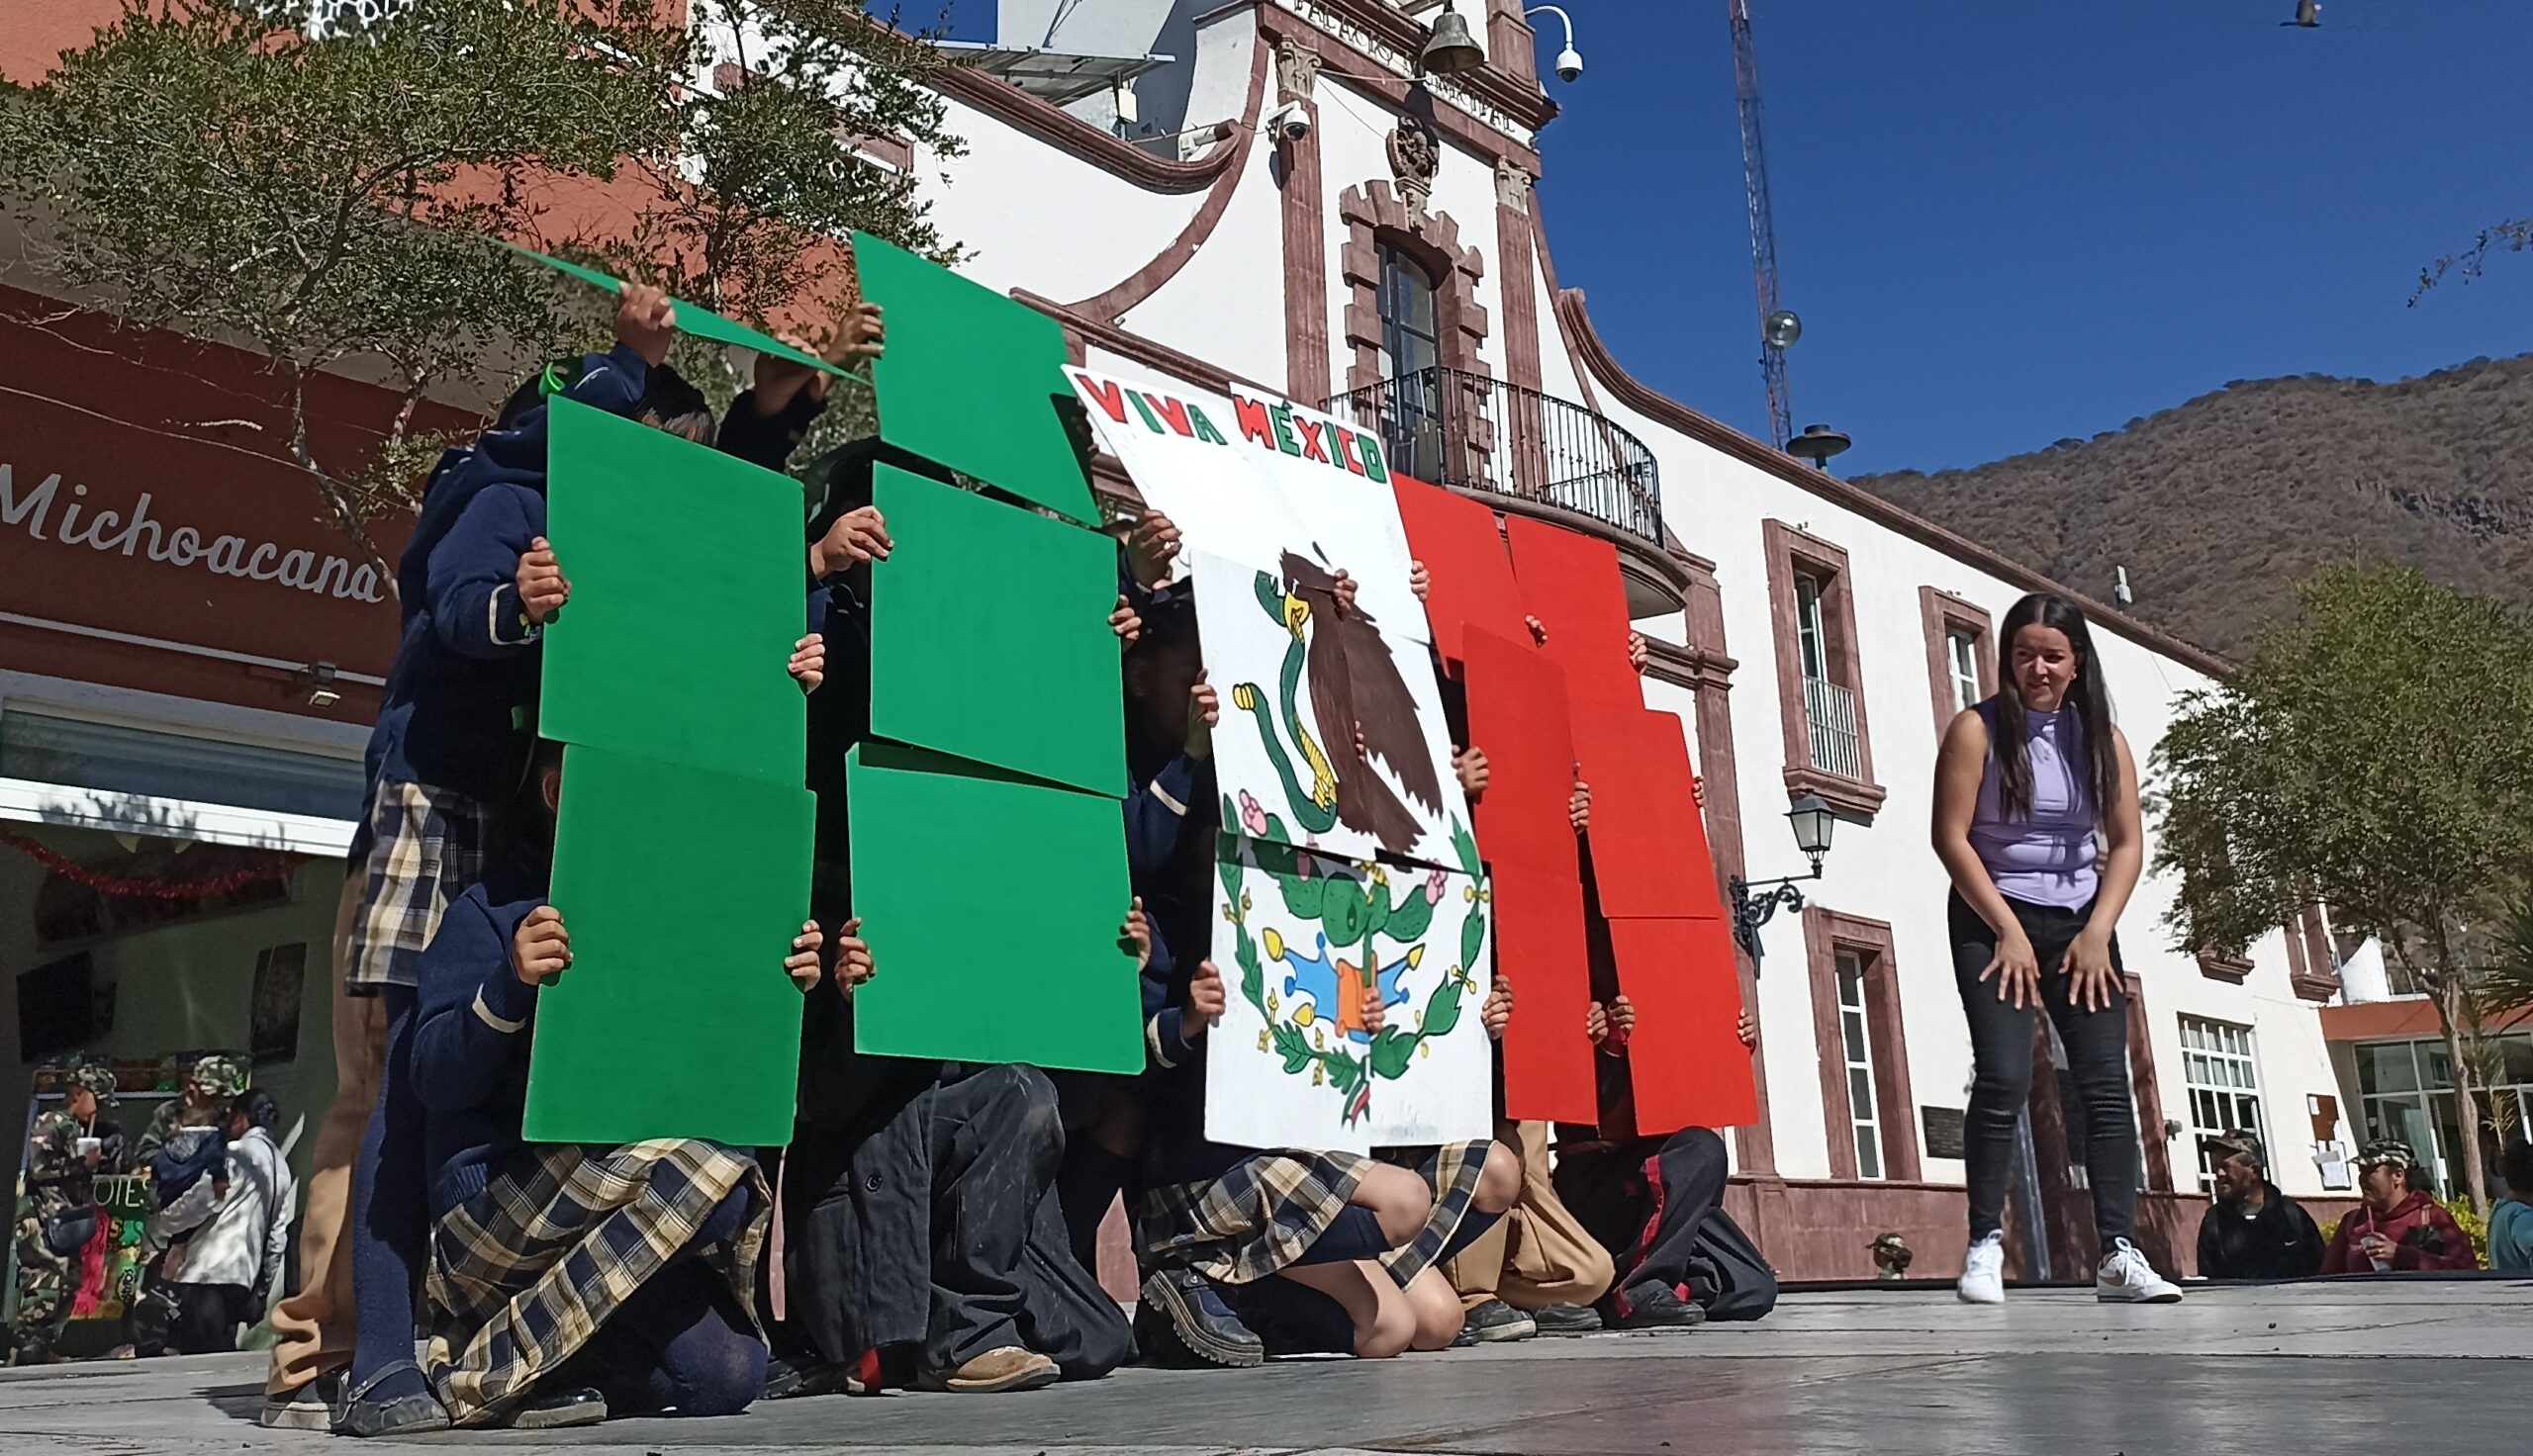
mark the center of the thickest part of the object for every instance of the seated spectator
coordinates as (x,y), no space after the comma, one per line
(2511,1221)
(2399,1226)
(2251,1230)
(566,1283)
(224,1272)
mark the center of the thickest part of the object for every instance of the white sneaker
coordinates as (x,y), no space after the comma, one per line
(2127,1278)
(1983,1272)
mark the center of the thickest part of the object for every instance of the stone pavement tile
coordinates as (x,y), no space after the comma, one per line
(1894,1373)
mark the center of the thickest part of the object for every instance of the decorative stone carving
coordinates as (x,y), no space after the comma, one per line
(1296,68)
(1415,158)
(1512,186)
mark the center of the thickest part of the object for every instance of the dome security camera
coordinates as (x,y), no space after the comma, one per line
(1569,64)
(1288,122)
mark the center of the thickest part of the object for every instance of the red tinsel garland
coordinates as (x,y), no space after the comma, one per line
(278,867)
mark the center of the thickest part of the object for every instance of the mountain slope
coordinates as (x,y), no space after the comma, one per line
(2218,506)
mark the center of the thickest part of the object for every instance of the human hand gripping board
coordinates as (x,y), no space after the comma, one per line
(682,890)
(686,570)
(989,635)
(1517,713)
(991,904)
(971,380)
(691,318)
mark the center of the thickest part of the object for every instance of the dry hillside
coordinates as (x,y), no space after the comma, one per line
(2217,507)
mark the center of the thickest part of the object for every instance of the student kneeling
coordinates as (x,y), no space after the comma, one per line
(566,1282)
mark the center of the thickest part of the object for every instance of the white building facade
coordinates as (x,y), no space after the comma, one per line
(1302,212)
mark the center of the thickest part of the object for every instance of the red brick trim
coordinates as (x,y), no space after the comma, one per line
(1069,134)
(1945,614)
(1788,548)
(2231,968)
(2149,1096)
(2315,976)
(1374,214)
(1825,933)
(1524,102)
(1597,360)
(1147,280)
(1517,282)
(1305,222)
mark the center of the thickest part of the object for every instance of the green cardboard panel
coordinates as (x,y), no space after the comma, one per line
(991,905)
(989,635)
(688,593)
(692,319)
(969,379)
(681,891)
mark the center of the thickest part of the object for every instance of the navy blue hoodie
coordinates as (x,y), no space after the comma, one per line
(472,1030)
(461,699)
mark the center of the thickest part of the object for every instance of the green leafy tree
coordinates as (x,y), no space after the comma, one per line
(319,181)
(2376,754)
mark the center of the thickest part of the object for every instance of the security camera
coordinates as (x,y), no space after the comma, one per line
(1289,122)
(1569,64)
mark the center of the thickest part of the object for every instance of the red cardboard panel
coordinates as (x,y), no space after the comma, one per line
(1686,1060)
(1463,553)
(1518,717)
(1571,583)
(1648,841)
(1548,1071)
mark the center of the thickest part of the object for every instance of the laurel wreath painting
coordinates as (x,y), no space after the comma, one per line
(1315,1020)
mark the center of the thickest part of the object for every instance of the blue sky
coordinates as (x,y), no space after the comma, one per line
(2010,221)
(2006,224)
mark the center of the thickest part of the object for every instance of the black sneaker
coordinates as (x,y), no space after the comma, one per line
(1567,1319)
(559,1409)
(1653,1307)
(788,1377)
(1496,1321)
(1180,1314)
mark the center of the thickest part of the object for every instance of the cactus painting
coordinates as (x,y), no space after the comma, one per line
(1308,945)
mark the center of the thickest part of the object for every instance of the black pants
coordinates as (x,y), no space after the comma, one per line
(2000,1040)
(208,1317)
(1645,1201)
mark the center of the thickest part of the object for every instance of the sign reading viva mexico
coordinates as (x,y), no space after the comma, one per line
(1274,424)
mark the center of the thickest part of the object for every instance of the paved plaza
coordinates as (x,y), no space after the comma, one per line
(2293,1369)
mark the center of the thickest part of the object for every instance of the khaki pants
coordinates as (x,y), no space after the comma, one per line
(313,1328)
(1538,1255)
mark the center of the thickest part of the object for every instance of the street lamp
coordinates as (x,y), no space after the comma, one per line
(1812,822)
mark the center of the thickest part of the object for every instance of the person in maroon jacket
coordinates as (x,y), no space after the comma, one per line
(2398,1227)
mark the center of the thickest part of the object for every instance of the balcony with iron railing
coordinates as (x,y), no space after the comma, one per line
(1468,432)
(1836,747)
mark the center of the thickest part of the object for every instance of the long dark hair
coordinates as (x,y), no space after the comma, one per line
(2086,696)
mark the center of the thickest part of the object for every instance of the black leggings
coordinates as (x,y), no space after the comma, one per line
(2001,1042)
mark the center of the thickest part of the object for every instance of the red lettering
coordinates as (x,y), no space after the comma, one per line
(1170,408)
(1254,424)
(1111,402)
(1346,448)
(1311,448)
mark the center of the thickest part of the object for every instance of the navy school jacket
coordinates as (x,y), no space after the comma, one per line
(460,702)
(474,1017)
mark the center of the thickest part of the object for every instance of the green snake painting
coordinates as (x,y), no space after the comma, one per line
(1315,809)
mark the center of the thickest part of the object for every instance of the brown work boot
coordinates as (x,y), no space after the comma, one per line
(1010,1368)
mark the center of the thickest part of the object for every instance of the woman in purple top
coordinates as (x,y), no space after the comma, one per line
(2036,822)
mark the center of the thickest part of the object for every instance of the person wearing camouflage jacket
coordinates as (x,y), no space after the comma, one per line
(66,1149)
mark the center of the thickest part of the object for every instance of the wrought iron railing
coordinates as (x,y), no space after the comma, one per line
(1836,746)
(1456,428)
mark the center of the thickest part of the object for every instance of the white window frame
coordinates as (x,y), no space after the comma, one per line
(2220,1068)
(1961,655)
(1856,1038)
(1810,633)
(36,801)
